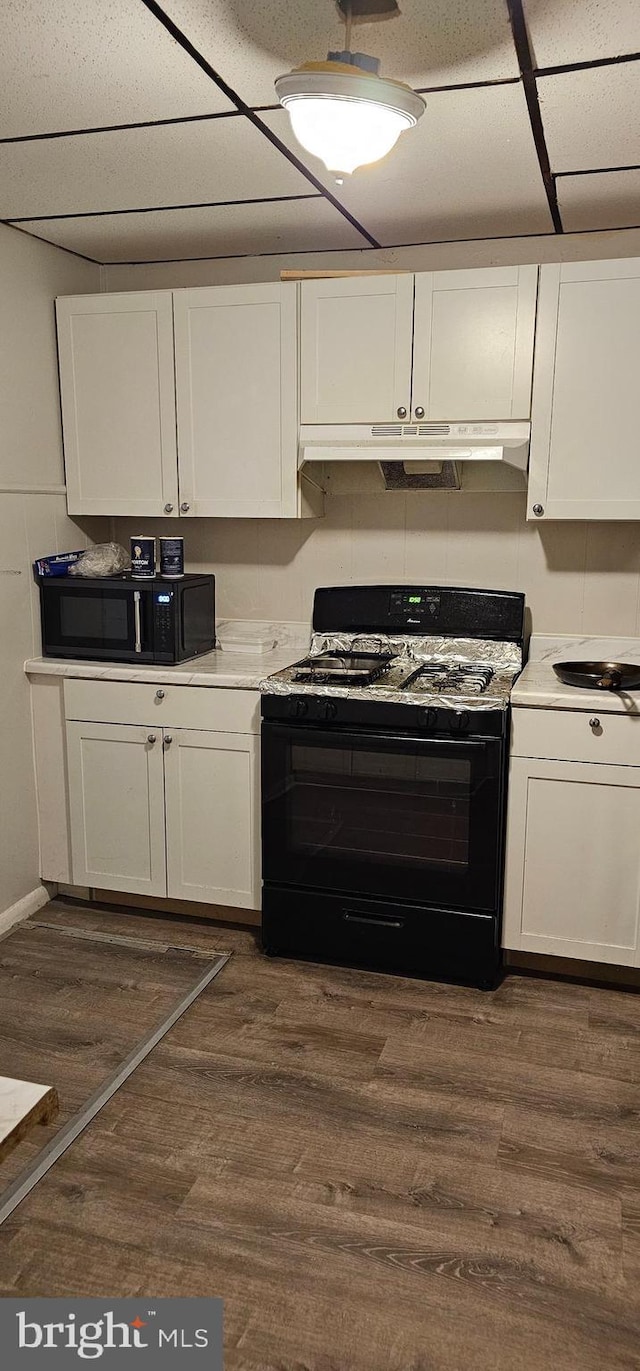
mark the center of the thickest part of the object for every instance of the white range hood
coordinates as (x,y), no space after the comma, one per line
(418,442)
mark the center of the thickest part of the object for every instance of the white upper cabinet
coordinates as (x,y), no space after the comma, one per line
(473,343)
(118,403)
(584,440)
(236,383)
(356,340)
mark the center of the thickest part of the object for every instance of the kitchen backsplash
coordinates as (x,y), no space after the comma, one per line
(577,577)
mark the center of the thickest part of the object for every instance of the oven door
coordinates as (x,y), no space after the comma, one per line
(109,623)
(383,814)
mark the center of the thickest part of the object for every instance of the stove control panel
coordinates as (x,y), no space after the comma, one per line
(414,608)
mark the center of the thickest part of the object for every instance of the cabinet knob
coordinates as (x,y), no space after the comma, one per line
(402,412)
(159,694)
(168,740)
(151,738)
(594,724)
(419,411)
(538,510)
(185,507)
(168,509)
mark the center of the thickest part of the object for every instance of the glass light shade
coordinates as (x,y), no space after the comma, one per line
(345,134)
(345,116)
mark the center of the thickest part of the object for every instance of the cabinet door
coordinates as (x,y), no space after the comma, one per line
(473,343)
(356,338)
(236,380)
(118,403)
(584,431)
(116,807)
(213,817)
(573,860)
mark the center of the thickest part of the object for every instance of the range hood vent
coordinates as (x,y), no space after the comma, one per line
(410,430)
(422,442)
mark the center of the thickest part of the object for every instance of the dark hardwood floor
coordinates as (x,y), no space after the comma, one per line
(376,1174)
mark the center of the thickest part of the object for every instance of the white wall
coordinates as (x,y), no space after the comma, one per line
(577,577)
(33,519)
(489,252)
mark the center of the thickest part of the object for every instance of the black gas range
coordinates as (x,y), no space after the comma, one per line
(384,769)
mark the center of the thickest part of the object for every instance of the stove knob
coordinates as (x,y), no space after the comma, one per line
(459,721)
(298,707)
(330,709)
(428,717)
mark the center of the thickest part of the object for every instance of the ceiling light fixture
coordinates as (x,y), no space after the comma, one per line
(343,112)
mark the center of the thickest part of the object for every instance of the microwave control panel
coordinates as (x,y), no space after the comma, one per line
(163,620)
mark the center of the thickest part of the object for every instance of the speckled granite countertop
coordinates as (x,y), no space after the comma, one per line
(539,688)
(223,668)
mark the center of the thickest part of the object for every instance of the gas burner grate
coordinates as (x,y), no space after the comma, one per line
(458,678)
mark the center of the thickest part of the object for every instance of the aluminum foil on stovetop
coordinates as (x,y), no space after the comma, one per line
(504,658)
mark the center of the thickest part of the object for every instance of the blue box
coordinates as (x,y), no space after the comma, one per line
(57,564)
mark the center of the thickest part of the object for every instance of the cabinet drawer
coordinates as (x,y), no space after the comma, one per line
(562,734)
(173,706)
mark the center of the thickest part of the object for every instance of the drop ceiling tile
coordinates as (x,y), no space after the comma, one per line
(67,64)
(444,41)
(565,31)
(177,164)
(590,117)
(602,200)
(468,170)
(229,230)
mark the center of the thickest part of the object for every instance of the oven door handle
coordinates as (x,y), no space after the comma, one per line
(293,732)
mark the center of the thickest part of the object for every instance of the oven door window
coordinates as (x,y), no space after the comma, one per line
(411,818)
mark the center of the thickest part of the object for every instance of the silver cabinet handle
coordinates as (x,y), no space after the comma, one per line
(538,511)
(419,411)
(168,509)
(594,723)
(402,412)
(168,740)
(138,622)
(151,738)
(159,694)
(185,507)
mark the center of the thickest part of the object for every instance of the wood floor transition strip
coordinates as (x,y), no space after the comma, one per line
(26,1181)
(121,939)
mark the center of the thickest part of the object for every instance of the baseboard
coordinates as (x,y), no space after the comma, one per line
(23,909)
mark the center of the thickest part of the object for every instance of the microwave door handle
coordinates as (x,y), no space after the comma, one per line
(138,621)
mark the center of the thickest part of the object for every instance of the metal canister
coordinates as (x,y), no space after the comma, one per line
(172,559)
(143,558)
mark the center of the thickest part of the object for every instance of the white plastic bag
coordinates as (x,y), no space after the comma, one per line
(105,559)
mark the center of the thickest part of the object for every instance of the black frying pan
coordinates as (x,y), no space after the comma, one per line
(599,675)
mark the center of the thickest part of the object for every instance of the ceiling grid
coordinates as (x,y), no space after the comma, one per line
(531,127)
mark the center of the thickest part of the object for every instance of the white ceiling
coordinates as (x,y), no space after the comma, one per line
(471,169)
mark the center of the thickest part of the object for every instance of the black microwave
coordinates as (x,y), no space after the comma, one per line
(119,619)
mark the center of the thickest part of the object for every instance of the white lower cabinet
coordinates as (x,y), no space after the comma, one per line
(573,858)
(213,817)
(161,810)
(116,807)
